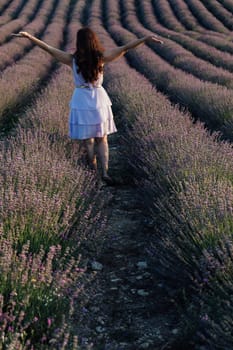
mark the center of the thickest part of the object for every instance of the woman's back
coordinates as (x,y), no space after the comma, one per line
(80,81)
(89,96)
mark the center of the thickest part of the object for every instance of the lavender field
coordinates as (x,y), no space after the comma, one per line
(167,282)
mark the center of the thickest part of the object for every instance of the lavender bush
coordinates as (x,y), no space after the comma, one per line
(49,208)
(166,16)
(228,5)
(201,98)
(34,66)
(11,27)
(47,200)
(184,15)
(9,9)
(205,17)
(222,44)
(212,39)
(186,182)
(14,50)
(43,208)
(186,61)
(4,5)
(34,296)
(192,212)
(31,9)
(18,12)
(220,12)
(201,50)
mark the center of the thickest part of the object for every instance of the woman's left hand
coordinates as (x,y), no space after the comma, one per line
(154,38)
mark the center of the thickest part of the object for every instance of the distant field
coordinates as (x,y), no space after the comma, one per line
(174,104)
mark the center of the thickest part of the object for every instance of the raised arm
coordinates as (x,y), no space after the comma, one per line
(59,55)
(118,52)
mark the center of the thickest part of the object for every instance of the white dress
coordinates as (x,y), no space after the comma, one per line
(90,109)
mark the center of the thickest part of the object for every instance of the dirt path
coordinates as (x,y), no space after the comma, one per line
(125,306)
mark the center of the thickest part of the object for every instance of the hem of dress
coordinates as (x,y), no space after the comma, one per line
(92,137)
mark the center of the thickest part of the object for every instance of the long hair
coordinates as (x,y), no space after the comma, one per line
(89,54)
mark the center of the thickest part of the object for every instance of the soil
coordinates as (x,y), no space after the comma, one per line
(124,306)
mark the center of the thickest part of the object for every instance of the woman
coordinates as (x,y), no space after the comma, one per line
(91,116)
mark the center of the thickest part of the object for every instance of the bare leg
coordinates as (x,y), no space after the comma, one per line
(103,152)
(90,146)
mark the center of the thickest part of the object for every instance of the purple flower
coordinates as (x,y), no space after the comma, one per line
(49,322)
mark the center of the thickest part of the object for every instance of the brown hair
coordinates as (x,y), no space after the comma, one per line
(89,54)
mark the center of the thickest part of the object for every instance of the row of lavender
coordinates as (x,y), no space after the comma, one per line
(208,46)
(17,11)
(197,48)
(201,98)
(220,13)
(200,12)
(15,17)
(218,16)
(186,183)
(200,50)
(34,65)
(184,15)
(48,208)
(184,58)
(192,15)
(12,49)
(227,4)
